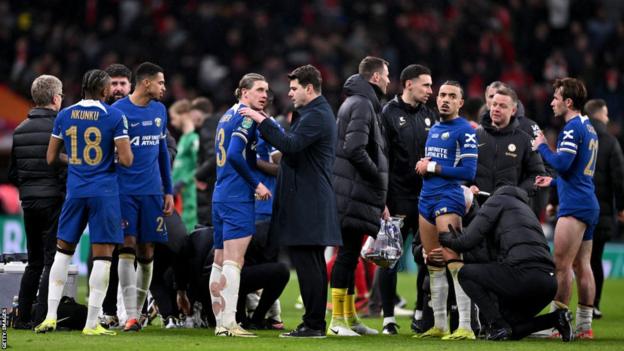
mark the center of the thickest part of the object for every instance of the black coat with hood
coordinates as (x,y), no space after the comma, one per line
(361,168)
(513,234)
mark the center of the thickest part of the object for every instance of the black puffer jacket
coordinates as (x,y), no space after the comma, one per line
(514,235)
(361,167)
(29,170)
(506,158)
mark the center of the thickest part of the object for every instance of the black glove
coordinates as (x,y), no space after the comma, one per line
(446,238)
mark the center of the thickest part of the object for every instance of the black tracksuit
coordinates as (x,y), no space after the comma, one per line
(521,272)
(406,128)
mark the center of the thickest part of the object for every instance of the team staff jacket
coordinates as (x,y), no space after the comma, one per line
(512,232)
(29,169)
(506,157)
(406,128)
(361,168)
(609,175)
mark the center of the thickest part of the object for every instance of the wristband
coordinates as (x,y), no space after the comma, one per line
(431,167)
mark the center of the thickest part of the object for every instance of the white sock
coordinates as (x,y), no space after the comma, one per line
(584,315)
(231,272)
(418,314)
(215,287)
(127,281)
(439,294)
(463,301)
(58,277)
(144,279)
(275,311)
(98,283)
(388,320)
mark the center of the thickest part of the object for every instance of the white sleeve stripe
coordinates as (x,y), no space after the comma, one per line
(567,150)
(57,136)
(567,143)
(240,135)
(274,152)
(468,155)
(122,137)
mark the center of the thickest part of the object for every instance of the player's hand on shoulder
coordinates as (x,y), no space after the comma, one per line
(258,117)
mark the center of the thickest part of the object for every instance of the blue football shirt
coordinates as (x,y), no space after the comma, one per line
(264,150)
(147,128)
(231,185)
(577,141)
(89,130)
(452,145)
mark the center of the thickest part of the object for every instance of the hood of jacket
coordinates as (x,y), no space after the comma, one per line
(357,85)
(514,191)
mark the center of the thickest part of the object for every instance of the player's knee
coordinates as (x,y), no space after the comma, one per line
(127,252)
(145,260)
(65,250)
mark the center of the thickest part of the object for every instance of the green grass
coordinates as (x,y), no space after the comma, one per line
(608,331)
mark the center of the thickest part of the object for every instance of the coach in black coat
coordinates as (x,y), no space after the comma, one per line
(521,274)
(304,206)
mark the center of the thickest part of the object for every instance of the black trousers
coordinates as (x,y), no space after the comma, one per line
(41,224)
(172,267)
(598,245)
(309,262)
(343,273)
(388,277)
(510,297)
(271,278)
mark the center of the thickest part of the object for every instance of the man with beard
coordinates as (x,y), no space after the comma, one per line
(407,121)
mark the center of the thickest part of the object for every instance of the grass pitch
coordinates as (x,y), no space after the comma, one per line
(608,331)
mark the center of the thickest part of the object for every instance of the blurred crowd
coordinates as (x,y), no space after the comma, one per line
(206,46)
